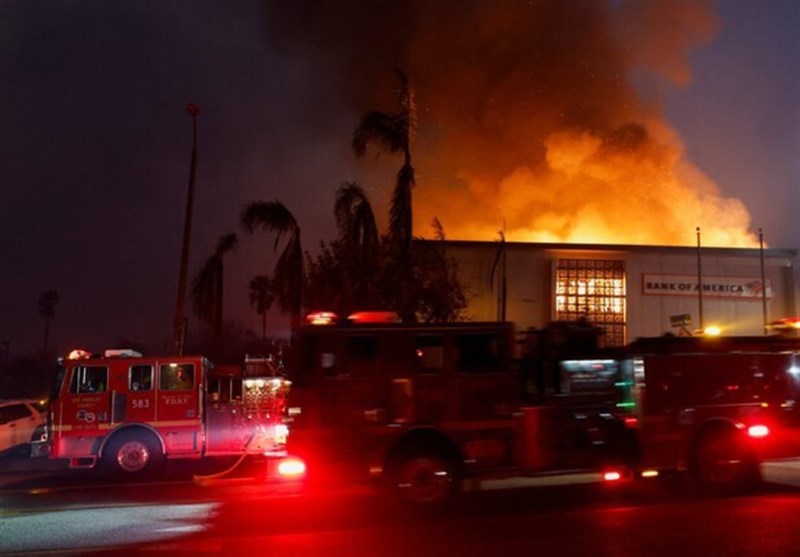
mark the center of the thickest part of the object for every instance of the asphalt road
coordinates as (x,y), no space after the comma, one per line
(56,512)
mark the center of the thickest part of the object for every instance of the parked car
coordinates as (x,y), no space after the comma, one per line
(20,421)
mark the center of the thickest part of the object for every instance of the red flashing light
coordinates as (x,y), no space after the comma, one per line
(758,431)
(321,318)
(79,354)
(631,422)
(291,468)
(612,476)
(374,317)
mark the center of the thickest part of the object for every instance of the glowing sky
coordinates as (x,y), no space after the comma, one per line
(95,143)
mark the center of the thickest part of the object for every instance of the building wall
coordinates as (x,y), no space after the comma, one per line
(531,288)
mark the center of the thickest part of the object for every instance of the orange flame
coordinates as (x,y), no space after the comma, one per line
(624,188)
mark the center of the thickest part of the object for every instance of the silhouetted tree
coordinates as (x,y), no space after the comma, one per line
(288,275)
(261,298)
(48,300)
(208,289)
(350,274)
(392,133)
(356,221)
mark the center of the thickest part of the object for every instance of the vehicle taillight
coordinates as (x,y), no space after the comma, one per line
(758,431)
(612,476)
(291,468)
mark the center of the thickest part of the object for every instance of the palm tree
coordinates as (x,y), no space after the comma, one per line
(288,275)
(356,220)
(208,289)
(261,297)
(48,300)
(392,133)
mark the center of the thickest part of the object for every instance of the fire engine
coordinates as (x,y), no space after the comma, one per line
(709,404)
(423,408)
(129,413)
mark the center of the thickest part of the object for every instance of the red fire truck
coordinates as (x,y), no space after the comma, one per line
(129,413)
(709,404)
(424,407)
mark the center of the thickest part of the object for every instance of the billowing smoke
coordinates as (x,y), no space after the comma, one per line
(528,119)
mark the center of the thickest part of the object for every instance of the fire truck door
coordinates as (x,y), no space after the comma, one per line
(434,398)
(86,406)
(353,383)
(178,411)
(138,403)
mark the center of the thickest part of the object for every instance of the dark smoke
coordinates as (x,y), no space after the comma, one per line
(495,80)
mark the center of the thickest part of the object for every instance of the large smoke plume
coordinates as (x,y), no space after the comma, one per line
(528,118)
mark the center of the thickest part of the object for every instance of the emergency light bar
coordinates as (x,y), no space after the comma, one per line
(121,353)
(79,354)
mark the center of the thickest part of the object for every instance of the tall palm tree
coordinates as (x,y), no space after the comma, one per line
(261,298)
(392,133)
(208,289)
(48,300)
(288,275)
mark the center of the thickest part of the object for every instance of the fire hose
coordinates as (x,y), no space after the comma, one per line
(218,477)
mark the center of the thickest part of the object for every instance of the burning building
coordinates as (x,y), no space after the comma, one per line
(628,291)
(545,119)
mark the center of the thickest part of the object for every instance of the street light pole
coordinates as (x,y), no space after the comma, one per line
(180,321)
(763,280)
(699,281)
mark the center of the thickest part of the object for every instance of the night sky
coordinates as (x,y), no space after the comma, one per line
(96,138)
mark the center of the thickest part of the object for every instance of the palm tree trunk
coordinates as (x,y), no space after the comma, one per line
(217,328)
(46,334)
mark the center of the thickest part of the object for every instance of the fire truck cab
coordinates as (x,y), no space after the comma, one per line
(129,413)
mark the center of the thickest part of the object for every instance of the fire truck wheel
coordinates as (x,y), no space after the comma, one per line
(133,453)
(721,462)
(424,479)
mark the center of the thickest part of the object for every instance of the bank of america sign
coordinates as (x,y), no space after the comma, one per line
(713,287)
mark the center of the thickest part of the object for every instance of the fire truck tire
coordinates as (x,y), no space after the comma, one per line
(135,453)
(721,462)
(423,479)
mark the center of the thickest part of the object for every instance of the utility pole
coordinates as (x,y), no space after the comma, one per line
(763,280)
(699,281)
(180,321)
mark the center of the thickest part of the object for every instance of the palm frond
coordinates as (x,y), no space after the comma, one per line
(380,129)
(48,300)
(407,103)
(226,244)
(438,229)
(270,215)
(354,216)
(288,275)
(261,296)
(348,196)
(204,289)
(367,229)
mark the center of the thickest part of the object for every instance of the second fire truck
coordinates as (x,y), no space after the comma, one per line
(424,408)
